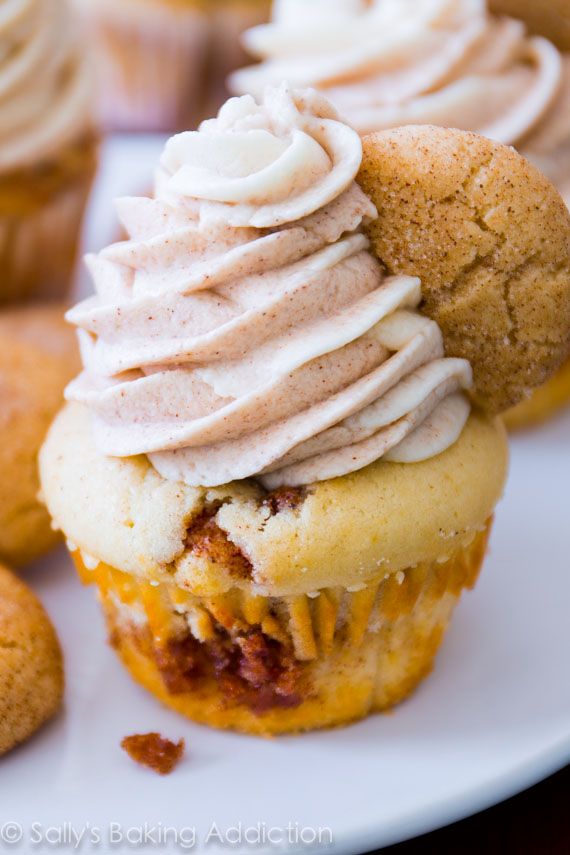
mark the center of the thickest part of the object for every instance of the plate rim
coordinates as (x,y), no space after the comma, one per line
(463,805)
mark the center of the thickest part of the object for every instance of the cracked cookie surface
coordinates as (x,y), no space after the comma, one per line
(31,667)
(490,238)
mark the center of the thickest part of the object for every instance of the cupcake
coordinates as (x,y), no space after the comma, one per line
(163,63)
(271,469)
(47,148)
(38,357)
(389,63)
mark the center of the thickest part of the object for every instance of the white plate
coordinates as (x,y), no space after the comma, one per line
(493,719)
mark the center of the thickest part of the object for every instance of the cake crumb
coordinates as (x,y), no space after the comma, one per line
(155,751)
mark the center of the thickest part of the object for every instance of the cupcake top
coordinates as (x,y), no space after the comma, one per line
(387,63)
(45,84)
(246,329)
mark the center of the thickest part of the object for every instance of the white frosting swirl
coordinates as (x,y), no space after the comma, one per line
(245,329)
(385,63)
(45,83)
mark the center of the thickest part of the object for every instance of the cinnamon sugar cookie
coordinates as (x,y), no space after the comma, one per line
(38,356)
(447,202)
(31,667)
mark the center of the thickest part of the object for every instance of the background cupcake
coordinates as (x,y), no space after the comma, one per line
(269,465)
(47,147)
(162,64)
(390,63)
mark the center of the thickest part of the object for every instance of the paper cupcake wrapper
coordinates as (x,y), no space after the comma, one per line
(39,245)
(228,22)
(163,68)
(271,665)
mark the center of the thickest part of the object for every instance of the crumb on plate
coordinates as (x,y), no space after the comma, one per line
(154,751)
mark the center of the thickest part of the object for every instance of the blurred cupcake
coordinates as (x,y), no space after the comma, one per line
(229,19)
(269,466)
(389,63)
(47,148)
(163,63)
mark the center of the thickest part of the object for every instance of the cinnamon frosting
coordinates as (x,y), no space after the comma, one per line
(386,63)
(45,81)
(245,329)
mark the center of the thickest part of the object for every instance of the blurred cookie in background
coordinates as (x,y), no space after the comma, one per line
(38,356)
(48,147)
(31,665)
(162,64)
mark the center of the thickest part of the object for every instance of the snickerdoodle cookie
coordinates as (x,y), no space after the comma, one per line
(38,356)
(31,666)
(489,237)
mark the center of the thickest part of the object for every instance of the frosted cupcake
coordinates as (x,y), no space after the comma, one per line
(389,63)
(163,63)
(47,147)
(269,467)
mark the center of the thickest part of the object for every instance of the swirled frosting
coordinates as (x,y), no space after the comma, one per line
(45,84)
(385,63)
(245,329)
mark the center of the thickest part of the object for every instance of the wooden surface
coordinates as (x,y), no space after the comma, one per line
(537,822)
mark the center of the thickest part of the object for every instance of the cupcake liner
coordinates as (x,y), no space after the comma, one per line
(40,231)
(228,22)
(151,65)
(269,665)
(162,66)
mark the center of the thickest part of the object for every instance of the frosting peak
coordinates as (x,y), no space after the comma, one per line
(265,164)
(245,329)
